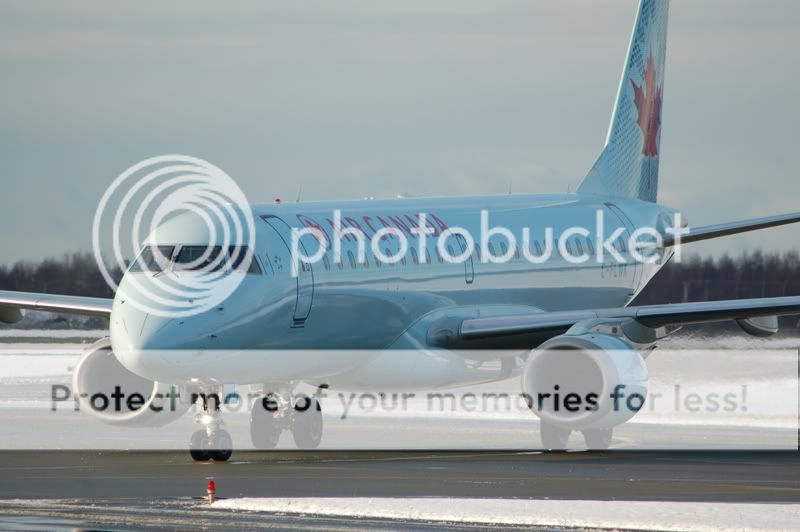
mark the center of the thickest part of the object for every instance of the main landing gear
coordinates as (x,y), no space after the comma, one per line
(275,412)
(555,438)
(211,442)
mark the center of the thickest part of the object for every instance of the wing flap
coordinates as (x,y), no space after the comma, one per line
(651,316)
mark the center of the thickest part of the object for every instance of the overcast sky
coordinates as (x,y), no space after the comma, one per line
(366,98)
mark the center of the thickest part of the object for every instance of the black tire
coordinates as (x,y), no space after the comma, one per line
(217,448)
(307,425)
(265,429)
(553,438)
(197,447)
(598,439)
(221,447)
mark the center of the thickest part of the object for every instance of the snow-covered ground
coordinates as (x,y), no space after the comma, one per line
(52,333)
(638,515)
(750,395)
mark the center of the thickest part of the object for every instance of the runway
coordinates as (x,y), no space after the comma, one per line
(149,475)
(124,486)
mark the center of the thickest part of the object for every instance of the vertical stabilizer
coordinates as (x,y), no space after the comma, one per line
(628,165)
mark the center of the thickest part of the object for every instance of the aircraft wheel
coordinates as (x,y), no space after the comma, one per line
(265,429)
(307,426)
(218,447)
(598,439)
(221,445)
(197,447)
(553,438)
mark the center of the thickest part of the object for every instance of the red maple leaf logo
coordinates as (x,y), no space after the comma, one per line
(648,104)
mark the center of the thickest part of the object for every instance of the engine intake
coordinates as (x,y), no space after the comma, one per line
(586,381)
(108,391)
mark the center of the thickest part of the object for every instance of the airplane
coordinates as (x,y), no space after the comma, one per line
(366,324)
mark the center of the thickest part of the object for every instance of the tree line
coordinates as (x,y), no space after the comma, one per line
(749,275)
(695,278)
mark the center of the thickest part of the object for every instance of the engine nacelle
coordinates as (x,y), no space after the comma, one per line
(586,381)
(108,391)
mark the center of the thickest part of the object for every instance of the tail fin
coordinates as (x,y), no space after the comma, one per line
(628,165)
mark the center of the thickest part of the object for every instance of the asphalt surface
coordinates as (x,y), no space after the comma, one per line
(643,475)
(50,490)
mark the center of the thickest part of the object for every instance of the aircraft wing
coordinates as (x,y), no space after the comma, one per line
(696,234)
(545,325)
(12,302)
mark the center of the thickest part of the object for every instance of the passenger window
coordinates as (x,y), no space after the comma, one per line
(590,246)
(326,262)
(503,249)
(579,246)
(352,260)
(538,248)
(414,258)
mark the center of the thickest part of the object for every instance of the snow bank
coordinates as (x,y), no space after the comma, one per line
(551,513)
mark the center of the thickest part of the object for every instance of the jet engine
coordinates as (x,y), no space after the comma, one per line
(108,391)
(586,381)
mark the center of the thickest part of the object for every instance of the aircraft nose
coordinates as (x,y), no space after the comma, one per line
(148,331)
(138,330)
(140,341)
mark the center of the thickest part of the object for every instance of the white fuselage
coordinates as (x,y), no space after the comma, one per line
(354,311)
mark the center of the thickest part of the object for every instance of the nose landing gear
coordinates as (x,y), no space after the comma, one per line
(211,442)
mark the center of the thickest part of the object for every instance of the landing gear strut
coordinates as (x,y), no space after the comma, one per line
(598,439)
(276,412)
(211,442)
(554,438)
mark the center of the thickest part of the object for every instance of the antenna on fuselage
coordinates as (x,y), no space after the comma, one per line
(299,193)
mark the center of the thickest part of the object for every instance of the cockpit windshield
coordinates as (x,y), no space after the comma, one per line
(200,259)
(155,259)
(242,260)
